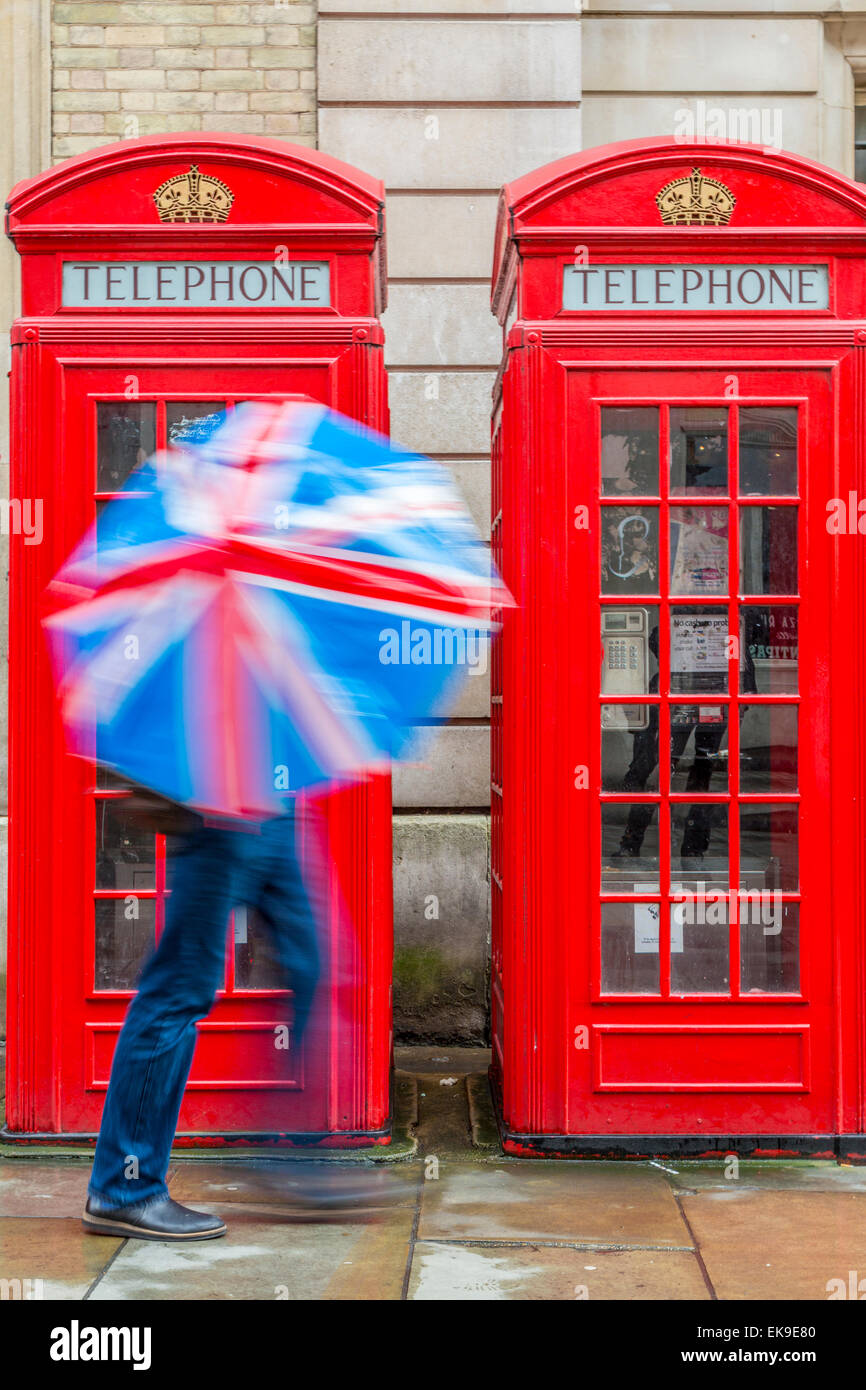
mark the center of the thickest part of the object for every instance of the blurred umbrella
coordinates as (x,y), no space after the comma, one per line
(272,605)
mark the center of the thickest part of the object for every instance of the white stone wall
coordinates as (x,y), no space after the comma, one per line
(777,68)
(445,101)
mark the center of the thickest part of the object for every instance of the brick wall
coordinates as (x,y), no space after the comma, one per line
(123,69)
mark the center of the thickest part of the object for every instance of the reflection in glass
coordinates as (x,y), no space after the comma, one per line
(629,847)
(630,948)
(699,450)
(768,450)
(699,550)
(630,641)
(125,437)
(187,418)
(125,933)
(125,854)
(630,450)
(699,650)
(768,550)
(629,550)
(257,964)
(699,748)
(629,748)
(768,649)
(769,946)
(700,944)
(768,748)
(768,846)
(699,844)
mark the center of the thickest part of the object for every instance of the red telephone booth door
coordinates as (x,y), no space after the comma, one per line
(95,389)
(110,891)
(247,1074)
(708,988)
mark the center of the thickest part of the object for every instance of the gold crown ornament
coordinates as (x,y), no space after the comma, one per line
(193,197)
(695,201)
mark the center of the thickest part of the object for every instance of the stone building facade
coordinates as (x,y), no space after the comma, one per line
(444,100)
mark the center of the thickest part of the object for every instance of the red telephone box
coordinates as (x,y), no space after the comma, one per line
(163,279)
(679,441)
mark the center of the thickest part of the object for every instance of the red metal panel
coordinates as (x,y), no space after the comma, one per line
(65,363)
(572,1056)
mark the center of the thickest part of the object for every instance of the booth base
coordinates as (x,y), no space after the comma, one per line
(395,1142)
(844,1148)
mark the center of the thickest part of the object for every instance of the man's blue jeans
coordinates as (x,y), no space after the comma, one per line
(211,871)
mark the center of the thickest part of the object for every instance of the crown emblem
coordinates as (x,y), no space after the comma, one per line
(695,201)
(193,197)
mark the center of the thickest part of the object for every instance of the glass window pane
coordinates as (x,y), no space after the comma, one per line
(125,934)
(768,550)
(629,550)
(629,847)
(699,450)
(630,640)
(768,847)
(183,417)
(125,853)
(768,450)
(768,748)
(629,748)
(257,964)
(699,550)
(768,649)
(860,146)
(630,948)
(699,845)
(700,943)
(125,437)
(699,650)
(699,748)
(769,947)
(630,450)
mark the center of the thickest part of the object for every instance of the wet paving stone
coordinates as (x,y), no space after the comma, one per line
(779,1244)
(270,1256)
(595,1203)
(55,1251)
(497,1273)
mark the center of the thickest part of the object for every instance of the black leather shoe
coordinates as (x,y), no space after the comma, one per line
(162,1219)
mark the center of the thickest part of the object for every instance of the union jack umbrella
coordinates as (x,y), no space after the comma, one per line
(273,605)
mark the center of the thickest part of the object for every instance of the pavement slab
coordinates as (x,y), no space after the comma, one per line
(496,1273)
(280,1184)
(550,1200)
(270,1255)
(56,1251)
(803,1176)
(30,1187)
(779,1244)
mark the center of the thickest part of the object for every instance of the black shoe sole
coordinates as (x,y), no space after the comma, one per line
(98,1227)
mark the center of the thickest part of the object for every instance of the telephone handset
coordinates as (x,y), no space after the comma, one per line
(625,665)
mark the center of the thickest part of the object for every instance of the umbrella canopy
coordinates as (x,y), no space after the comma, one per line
(273,605)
